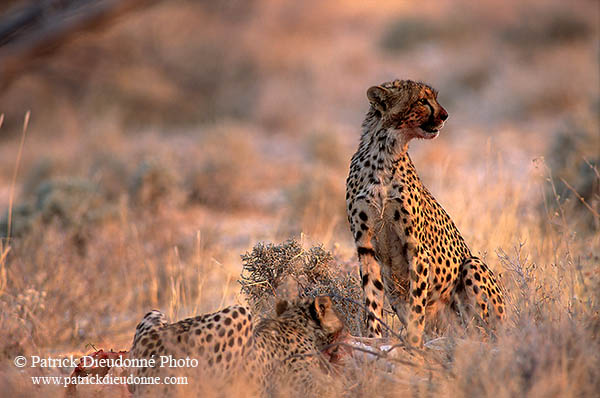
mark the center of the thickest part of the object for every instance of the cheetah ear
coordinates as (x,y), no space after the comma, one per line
(378,96)
(281,306)
(322,305)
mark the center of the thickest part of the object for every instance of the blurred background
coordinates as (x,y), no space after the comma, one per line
(255,104)
(166,138)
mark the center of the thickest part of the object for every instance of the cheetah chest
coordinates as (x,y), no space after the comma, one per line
(393,240)
(408,221)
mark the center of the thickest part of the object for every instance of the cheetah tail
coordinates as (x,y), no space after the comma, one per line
(152,321)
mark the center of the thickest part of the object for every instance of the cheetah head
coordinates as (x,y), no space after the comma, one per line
(408,108)
(320,310)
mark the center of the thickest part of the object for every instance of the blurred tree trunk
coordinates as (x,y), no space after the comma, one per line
(33,29)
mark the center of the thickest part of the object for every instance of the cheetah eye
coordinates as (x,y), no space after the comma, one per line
(423,101)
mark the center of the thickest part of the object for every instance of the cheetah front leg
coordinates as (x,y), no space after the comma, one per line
(362,226)
(373,290)
(419,288)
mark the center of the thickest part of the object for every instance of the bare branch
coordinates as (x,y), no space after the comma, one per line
(37,29)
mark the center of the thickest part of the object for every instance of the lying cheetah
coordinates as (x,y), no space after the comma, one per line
(399,228)
(227,343)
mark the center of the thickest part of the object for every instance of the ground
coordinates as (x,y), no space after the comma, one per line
(162,148)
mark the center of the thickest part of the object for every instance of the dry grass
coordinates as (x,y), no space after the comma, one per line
(548,347)
(147,173)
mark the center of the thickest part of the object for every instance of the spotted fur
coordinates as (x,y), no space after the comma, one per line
(228,343)
(407,245)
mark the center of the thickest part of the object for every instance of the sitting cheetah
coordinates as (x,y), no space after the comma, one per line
(227,343)
(400,230)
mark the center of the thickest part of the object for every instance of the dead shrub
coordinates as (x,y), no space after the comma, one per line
(286,271)
(538,29)
(224,176)
(152,184)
